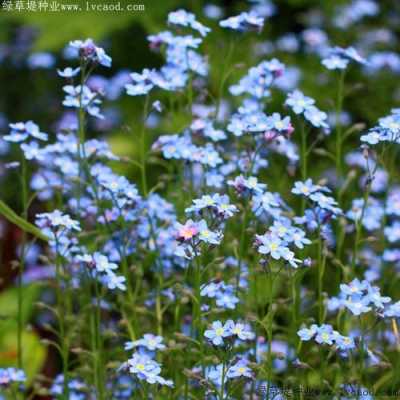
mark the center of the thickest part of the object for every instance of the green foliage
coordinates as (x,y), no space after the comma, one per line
(58,28)
(34,352)
(9,306)
(8,213)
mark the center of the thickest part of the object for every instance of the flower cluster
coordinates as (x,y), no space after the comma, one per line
(325,334)
(223,294)
(8,376)
(359,297)
(201,213)
(104,270)
(142,363)
(276,242)
(228,331)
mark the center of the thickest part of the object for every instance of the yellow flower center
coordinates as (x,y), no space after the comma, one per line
(305,189)
(140,367)
(219,331)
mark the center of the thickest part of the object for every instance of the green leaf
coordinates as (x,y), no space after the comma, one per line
(9,305)
(9,214)
(33,352)
(58,28)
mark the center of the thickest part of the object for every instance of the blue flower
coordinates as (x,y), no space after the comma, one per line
(142,83)
(316,117)
(349,53)
(20,131)
(335,62)
(298,102)
(68,72)
(56,219)
(146,369)
(226,299)
(211,289)
(307,334)
(187,19)
(149,341)
(259,79)
(32,151)
(218,332)
(10,375)
(371,214)
(90,52)
(219,204)
(241,184)
(245,21)
(102,263)
(299,239)
(289,257)
(391,123)
(282,228)
(271,245)
(344,342)
(354,287)
(41,60)
(206,235)
(325,334)
(372,137)
(376,298)
(280,124)
(351,13)
(357,304)
(392,232)
(214,374)
(242,331)
(393,310)
(325,202)
(114,281)
(239,370)
(81,96)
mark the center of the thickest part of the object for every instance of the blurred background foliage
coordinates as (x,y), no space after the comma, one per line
(36,93)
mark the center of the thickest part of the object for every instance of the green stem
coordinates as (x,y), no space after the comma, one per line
(158,303)
(270,318)
(222,389)
(303,152)
(81,133)
(24,199)
(197,286)
(303,162)
(62,324)
(99,345)
(296,277)
(225,75)
(144,145)
(320,276)
(94,347)
(242,242)
(362,350)
(339,108)
(359,228)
